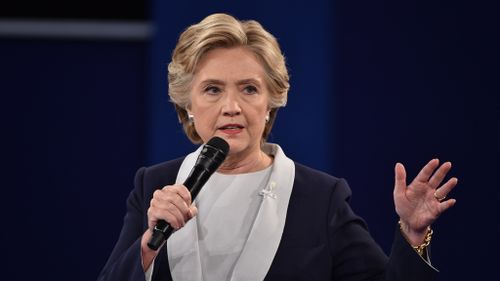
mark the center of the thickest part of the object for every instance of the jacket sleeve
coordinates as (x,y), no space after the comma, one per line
(358,257)
(124,263)
(406,264)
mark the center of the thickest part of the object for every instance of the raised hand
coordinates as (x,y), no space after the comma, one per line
(421,202)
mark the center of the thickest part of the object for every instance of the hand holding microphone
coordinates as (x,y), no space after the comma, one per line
(174,202)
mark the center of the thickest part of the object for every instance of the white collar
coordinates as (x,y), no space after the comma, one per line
(265,235)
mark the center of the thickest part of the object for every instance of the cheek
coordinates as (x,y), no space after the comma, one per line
(204,120)
(200,111)
(208,114)
(259,119)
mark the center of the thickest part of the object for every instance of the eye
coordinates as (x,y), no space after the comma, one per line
(250,90)
(212,90)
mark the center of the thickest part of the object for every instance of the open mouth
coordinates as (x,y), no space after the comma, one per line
(231,127)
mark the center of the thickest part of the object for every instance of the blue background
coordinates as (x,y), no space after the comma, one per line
(372,83)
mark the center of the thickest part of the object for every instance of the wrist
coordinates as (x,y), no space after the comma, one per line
(147,254)
(419,240)
(414,236)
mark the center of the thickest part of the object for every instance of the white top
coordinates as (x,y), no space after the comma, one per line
(236,234)
(227,209)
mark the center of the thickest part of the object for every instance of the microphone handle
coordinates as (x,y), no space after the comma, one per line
(161,232)
(198,177)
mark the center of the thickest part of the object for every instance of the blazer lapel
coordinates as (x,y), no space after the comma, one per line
(183,251)
(265,236)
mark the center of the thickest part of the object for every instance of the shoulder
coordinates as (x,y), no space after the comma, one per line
(149,179)
(310,176)
(309,180)
(304,171)
(158,175)
(171,166)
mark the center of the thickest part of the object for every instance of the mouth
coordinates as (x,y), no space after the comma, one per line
(231,128)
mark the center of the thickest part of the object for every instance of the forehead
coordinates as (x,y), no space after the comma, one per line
(229,64)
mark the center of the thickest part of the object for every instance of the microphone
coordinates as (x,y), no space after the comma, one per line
(211,157)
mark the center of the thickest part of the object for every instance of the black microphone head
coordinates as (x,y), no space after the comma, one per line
(220,144)
(213,154)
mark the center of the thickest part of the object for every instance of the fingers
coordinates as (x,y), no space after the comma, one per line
(442,192)
(439,175)
(400,179)
(171,201)
(445,205)
(172,204)
(446,188)
(193,211)
(427,171)
(183,192)
(168,213)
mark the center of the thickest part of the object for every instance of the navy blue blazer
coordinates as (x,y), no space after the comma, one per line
(323,238)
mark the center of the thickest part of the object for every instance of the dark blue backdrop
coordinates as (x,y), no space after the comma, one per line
(373,83)
(305,33)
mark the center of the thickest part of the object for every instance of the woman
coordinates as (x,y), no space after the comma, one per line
(261,216)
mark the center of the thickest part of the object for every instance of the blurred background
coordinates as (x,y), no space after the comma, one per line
(84,105)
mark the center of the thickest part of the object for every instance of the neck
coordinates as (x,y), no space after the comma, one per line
(239,164)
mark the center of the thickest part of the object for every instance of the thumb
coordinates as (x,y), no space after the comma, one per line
(193,211)
(399,179)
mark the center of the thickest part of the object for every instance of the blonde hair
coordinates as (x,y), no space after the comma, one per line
(224,31)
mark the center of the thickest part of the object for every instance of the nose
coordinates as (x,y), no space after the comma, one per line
(231,106)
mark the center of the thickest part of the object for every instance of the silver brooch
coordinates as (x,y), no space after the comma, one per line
(268,191)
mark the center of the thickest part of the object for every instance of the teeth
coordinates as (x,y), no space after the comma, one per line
(230,127)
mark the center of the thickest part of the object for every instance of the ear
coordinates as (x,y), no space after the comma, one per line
(188,109)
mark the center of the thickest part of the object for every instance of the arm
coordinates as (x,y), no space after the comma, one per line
(125,263)
(131,258)
(406,264)
(356,256)
(418,206)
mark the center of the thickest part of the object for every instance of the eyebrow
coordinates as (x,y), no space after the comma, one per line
(239,82)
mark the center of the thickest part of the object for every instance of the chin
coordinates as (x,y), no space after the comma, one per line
(235,147)
(239,147)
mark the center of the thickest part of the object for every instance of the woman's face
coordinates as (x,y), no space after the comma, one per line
(229,99)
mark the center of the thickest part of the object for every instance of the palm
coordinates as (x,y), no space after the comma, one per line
(416,204)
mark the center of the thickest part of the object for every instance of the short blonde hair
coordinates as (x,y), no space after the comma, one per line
(224,31)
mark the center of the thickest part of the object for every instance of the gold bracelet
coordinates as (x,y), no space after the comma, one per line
(427,240)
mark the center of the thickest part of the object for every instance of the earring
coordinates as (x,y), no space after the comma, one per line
(267,118)
(191,118)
